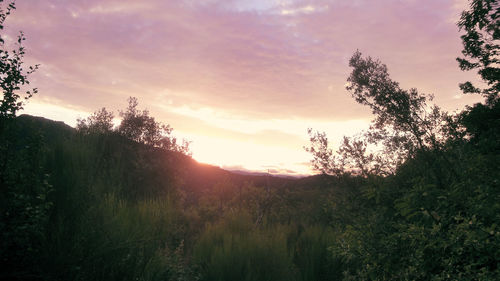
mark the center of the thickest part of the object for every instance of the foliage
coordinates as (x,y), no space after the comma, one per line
(100,122)
(24,203)
(117,214)
(403,121)
(481,46)
(233,249)
(12,74)
(403,125)
(481,122)
(113,214)
(135,125)
(323,158)
(434,215)
(24,187)
(140,127)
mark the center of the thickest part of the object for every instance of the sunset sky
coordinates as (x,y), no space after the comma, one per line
(241,79)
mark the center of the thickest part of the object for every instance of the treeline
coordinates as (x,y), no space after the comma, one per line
(135,125)
(101,207)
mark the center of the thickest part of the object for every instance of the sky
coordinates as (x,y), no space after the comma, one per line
(242,80)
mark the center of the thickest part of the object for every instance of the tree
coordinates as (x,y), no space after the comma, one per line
(436,216)
(323,158)
(481,46)
(482,52)
(401,116)
(140,127)
(12,74)
(100,122)
(404,123)
(24,205)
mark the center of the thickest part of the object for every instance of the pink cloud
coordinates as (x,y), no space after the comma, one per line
(257,63)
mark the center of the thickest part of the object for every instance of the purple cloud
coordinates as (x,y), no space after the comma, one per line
(260,63)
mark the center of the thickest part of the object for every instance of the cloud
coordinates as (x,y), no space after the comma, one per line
(258,61)
(257,64)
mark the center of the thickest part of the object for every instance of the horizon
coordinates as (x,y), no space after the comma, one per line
(242,81)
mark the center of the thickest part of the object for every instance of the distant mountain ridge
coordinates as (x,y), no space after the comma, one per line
(255,173)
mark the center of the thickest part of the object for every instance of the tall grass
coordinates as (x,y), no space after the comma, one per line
(105,226)
(117,215)
(233,249)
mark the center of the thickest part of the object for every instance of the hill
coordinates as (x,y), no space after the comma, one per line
(192,175)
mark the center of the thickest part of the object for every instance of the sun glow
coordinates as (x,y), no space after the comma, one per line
(241,155)
(54,112)
(272,145)
(259,145)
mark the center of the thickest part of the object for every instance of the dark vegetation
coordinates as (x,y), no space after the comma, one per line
(416,197)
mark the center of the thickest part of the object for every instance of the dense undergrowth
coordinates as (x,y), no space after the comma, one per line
(100,207)
(114,210)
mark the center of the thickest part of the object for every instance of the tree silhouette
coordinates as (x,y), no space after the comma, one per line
(24,189)
(482,46)
(12,73)
(100,122)
(140,127)
(404,124)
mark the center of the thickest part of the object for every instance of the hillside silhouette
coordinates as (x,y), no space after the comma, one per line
(194,176)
